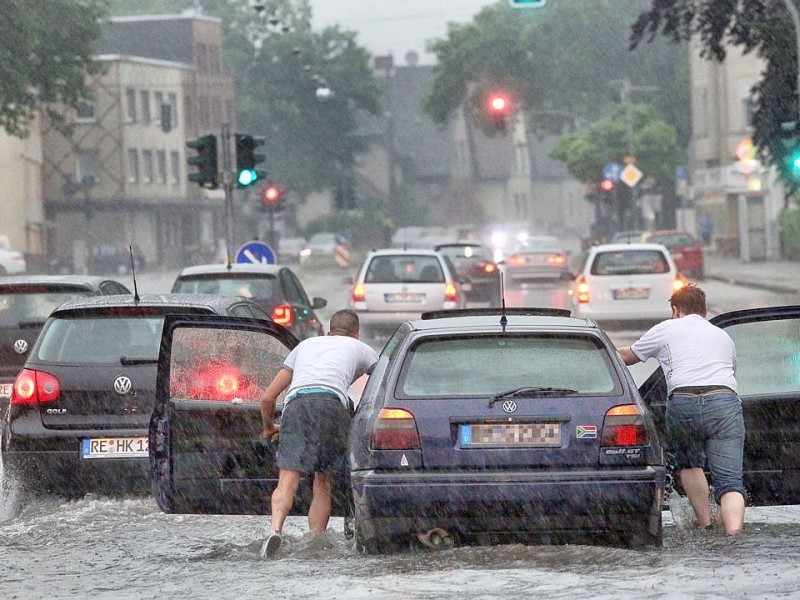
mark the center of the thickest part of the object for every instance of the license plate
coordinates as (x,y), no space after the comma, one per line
(5,390)
(505,435)
(631,294)
(126,447)
(403,297)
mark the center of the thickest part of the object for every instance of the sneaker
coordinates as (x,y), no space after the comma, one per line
(271,545)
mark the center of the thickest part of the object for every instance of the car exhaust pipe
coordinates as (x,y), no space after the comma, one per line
(436,539)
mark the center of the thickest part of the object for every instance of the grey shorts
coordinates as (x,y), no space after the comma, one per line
(313,435)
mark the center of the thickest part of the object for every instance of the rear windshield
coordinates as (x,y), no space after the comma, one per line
(405,268)
(538,245)
(98,340)
(261,288)
(630,262)
(488,365)
(464,251)
(33,306)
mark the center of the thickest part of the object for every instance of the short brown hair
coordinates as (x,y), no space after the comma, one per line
(690,299)
(344,322)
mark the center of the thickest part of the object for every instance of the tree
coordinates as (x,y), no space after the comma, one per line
(636,129)
(564,63)
(760,26)
(46,52)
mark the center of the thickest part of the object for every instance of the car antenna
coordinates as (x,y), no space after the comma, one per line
(133,274)
(503,317)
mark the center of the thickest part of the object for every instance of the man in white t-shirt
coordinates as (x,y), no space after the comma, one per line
(315,419)
(704,413)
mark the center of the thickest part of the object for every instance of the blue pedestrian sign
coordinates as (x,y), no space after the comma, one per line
(255,252)
(612,171)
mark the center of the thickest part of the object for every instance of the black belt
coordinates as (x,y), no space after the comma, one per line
(700,390)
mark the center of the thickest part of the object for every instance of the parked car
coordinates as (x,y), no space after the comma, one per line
(115,258)
(275,288)
(25,303)
(12,262)
(80,407)
(537,257)
(323,244)
(625,282)
(394,285)
(686,250)
(471,429)
(289,249)
(767,359)
(476,269)
(628,237)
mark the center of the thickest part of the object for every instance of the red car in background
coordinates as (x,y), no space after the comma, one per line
(686,250)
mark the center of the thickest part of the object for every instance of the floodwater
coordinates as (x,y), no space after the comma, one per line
(103,548)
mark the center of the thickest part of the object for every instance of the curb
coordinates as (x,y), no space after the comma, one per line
(758,285)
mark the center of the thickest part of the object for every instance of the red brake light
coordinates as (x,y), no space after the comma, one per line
(31,387)
(359,293)
(556,259)
(583,291)
(624,426)
(515,260)
(487,267)
(283,314)
(451,293)
(395,429)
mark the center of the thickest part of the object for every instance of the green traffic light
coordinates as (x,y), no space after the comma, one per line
(247,177)
(796,162)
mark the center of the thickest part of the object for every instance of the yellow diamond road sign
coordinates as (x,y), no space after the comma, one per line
(631,175)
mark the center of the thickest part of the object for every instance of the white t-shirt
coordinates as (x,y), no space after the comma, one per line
(331,362)
(691,351)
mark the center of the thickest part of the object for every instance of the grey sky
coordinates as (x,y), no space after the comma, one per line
(397,26)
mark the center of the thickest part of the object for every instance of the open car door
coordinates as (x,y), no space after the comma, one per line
(768,375)
(206,452)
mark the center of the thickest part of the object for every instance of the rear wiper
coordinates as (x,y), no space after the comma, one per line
(132,360)
(532,391)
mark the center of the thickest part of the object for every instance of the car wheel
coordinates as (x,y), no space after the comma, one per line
(641,535)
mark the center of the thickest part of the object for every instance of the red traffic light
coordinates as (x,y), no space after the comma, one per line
(499,103)
(607,185)
(271,198)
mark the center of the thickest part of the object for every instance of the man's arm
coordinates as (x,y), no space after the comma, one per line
(628,356)
(268,399)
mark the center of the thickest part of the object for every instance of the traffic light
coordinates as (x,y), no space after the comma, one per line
(607,186)
(271,198)
(498,105)
(247,160)
(206,161)
(527,3)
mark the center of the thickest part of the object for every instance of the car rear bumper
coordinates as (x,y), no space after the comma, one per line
(389,504)
(517,273)
(625,310)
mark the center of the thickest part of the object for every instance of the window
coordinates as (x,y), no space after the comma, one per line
(161,157)
(86,167)
(630,262)
(133,165)
(144,97)
(147,159)
(173,105)
(767,356)
(130,97)
(482,366)
(187,111)
(85,113)
(203,111)
(175,159)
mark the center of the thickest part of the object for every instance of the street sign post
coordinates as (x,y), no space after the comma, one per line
(255,252)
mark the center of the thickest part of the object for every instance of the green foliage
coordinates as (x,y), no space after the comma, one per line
(789,221)
(562,62)
(46,52)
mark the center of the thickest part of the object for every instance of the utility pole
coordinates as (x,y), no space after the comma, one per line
(227,186)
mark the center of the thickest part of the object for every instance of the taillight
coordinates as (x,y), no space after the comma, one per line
(624,426)
(451,293)
(359,293)
(31,387)
(556,259)
(515,260)
(678,283)
(395,429)
(283,314)
(487,267)
(583,291)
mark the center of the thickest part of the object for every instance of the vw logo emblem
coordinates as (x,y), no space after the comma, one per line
(509,406)
(20,346)
(123,385)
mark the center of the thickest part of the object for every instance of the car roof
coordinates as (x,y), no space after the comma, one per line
(626,246)
(650,234)
(467,321)
(214,302)
(401,251)
(460,243)
(222,269)
(88,281)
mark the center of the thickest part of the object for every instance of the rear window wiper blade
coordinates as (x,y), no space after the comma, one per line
(133,360)
(532,391)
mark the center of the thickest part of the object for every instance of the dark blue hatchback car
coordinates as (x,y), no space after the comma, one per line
(473,428)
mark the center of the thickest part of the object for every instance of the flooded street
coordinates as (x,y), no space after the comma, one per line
(126,548)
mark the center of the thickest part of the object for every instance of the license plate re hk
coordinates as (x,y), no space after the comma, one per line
(126,447)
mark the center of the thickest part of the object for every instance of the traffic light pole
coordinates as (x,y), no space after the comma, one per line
(227,186)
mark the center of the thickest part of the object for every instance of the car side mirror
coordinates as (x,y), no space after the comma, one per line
(318,303)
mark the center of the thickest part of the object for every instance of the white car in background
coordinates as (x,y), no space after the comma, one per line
(12,262)
(625,282)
